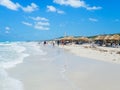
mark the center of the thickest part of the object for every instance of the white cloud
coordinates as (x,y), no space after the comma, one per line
(93,8)
(73,3)
(93,19)
(26,23)
(42,25)
(60,12)
(53,9)
(39,23)
(39,18)
(7,28)
(9,4)
(76,4)
(30,8)
(15,6)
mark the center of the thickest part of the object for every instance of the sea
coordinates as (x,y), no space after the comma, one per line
(12,54)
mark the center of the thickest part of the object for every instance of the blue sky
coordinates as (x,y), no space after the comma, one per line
(48,19)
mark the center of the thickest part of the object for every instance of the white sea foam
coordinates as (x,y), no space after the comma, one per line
(34,48)
(13,63)
(11,54)
(8,83)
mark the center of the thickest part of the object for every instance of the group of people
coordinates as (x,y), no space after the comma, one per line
(53,43)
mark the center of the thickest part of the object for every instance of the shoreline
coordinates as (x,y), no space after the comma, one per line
(106,54)
(61,70)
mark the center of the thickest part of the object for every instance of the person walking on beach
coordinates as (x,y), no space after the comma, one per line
(44,42)
(53,43)
(58,42)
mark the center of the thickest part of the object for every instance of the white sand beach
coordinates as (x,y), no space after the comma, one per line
(59,44)
(107,54)
(57,69)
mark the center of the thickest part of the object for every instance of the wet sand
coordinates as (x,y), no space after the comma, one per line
(61,70)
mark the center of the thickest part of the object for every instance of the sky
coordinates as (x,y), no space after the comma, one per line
(22,20)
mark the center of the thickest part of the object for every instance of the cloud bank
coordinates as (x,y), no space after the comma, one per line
(39,23)
(77,4)
(53,9)
(16,6)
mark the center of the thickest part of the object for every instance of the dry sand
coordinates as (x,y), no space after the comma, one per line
(107,54)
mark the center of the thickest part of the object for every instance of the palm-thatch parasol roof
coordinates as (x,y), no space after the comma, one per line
(107,37)
(81,39)
(99,38)
(115,37)
(84,38)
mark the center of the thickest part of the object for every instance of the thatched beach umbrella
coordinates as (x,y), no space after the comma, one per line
(107,40)
(81,39)
(77,39)
(84,38)
(115,37)
(107,37)
(68,39)
(99,38)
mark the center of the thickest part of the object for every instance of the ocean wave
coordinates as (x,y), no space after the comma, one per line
(34,48)
(11,54)
(13,63)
